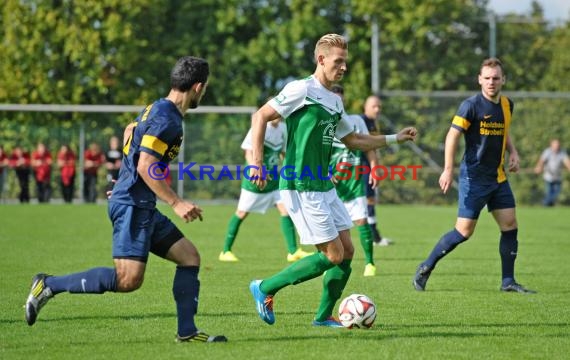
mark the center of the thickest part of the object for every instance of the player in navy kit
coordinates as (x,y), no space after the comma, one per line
(371,114)
(484,120)
(151,142)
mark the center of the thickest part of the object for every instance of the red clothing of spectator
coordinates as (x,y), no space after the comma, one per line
(41,163)
(94,158)
(19,159)
(66,161)
(3,160)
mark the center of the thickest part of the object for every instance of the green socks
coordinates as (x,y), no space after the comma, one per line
(334,282)
(302,270)
(288,230)
(366,241)
(308,268)
(233,228)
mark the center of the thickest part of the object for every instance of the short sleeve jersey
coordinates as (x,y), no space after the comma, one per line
(274,144)
(351,188)
(486,127)
(313,115)
(157,131)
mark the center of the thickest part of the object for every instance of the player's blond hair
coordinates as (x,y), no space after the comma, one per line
(492,62)
(328,41)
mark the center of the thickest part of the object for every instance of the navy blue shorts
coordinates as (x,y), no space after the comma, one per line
(474,196)
(138,231)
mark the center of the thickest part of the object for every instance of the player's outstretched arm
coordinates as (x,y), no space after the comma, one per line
(365,142)
(146,166)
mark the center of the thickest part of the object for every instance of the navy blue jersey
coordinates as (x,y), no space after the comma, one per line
(486,126)
(157,131)
(370,124)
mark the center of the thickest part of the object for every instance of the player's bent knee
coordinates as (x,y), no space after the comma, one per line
(466,233)
(360,222)
(508,226)
(129,283)
(184,253)
(348,253)
(189,260)
(336,258)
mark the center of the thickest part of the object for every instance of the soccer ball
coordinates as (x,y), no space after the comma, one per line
(357,311)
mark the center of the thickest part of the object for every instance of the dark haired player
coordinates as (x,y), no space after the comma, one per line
(138,227)
(484,119)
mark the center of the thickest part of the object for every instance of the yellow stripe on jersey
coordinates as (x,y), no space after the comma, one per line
(154,143)
(461,122)
(143,118)
(501,176)
(127,146)
(146,112)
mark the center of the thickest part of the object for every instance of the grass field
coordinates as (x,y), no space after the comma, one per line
(462,315)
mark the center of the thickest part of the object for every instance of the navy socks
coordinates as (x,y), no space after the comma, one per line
(93,281)
(508,247)
(186,288)
(445,245)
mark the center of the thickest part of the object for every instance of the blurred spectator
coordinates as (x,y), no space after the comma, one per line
(3,165)
(550,164)
(41,164)
(113,159)
(19,160)
(66,164)
(94,159)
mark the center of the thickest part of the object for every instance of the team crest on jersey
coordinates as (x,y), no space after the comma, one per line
(329,129)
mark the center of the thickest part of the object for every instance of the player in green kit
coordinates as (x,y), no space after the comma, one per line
(351,189)
(253,199)
(314,116)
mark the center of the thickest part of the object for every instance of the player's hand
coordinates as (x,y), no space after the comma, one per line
(514,162)
(445,180)
(257,177)
(407,134)
(373,180)
(334,179)
(110,192)
(187,211)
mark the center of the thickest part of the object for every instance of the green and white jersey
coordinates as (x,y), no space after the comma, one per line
(352,187)
(313,115)
(274,144)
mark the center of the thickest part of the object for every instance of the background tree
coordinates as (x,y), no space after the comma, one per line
(112,52)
